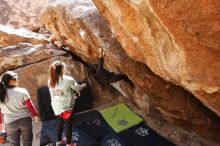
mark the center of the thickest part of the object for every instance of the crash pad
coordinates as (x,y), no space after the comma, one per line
(120,117)
(143,135)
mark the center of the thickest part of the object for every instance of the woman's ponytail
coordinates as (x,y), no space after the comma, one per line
(2,92)
(4,84)
(55,72)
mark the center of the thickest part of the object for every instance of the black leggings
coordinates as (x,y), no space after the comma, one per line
(106,76)
(68,128)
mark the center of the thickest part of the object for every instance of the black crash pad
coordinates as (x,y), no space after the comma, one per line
(111,139)
(93,124)
(84,101)
(82,139)
(142,135)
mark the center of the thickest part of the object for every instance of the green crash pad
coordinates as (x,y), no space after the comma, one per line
(120,117)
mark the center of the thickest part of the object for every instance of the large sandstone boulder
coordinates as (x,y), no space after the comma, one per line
(80,26)
(22,13)
(10,36)
(177,40)
(60,27)
(24,54)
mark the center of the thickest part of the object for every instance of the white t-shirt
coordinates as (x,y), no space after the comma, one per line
(14,107)
(62,95)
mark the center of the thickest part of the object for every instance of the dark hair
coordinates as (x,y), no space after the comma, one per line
(55,72)
(4,84)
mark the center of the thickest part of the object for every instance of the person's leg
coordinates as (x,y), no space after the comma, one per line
(68,129)
(26,131)
(13,133)
(52,131)
(117,77)
(100,69)
(43,144)
(60,129)
(44,139)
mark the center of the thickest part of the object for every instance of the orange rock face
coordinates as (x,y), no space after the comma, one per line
(22,13)
(137,44)
(195,27)
(177,40)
